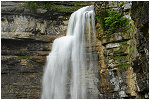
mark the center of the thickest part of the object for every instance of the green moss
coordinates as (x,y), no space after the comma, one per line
(100,18)
(131,28)
(130,41)
(123,66)
(120,48)
(108,35)
(97,30)
(24,57)
(132,48)
(111,21)
(48,5)
(30,4)
(124,44)
(115,20)
(119,58)
(21,5)
(126,29)
(52,6)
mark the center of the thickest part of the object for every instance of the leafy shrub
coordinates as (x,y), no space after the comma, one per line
(48,5)
(31,4)
(123,66)
(100,18)
(112,21)
(115,20)
(56,7)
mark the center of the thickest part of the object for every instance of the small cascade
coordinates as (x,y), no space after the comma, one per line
(67,64)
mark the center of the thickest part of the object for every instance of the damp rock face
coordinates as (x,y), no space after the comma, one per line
(26,38)
(141,60)
(123,58)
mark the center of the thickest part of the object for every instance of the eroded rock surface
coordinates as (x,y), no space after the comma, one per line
(26,38)
(123,58)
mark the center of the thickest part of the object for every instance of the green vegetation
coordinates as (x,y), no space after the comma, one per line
(112,21)
(32,5)
(119,58)
(130,41)
(48,5)
(29,4)
(98,30)
(122,60)
(115,20)
(123,66)
(52,6)
(124,44)
(125,29)
(120,3)
(132,48)
(122,47)
(100,18)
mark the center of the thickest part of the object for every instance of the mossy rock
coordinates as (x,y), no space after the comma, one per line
(123,66)
(114,61)
(123,48)
(115,37)
(24,57)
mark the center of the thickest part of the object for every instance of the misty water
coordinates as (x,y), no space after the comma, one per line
(67,67)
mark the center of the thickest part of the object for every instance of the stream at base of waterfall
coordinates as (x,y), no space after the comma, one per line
(71,66)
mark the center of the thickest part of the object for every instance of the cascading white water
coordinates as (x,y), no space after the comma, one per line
(64,75)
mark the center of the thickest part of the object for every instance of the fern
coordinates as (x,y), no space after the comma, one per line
(111,20)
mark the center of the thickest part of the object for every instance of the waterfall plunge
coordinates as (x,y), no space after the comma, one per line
(64,76)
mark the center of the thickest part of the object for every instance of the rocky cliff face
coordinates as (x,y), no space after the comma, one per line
(123,57)
(140,61)
(26,38)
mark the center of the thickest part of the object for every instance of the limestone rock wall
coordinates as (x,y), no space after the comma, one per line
(27,36)
(26,40)
(140,61)
(123,57)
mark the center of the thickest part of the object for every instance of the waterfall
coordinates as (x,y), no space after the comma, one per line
(66,66)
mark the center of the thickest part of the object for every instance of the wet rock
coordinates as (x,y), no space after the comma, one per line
(115,37)
(112,45)
(26,41)
(27,37)
(131,49)
(140,63)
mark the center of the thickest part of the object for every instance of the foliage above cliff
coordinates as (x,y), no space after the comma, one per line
(48,5)
(111,20)
(64,6)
